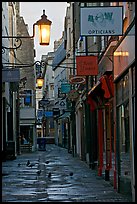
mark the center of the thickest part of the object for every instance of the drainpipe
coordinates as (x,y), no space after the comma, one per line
(87,111)
(14,119)
(73,102)
(100,141)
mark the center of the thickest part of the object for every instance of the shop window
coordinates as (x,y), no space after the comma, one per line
(28,98)
(125,53)
(124,128)
(124,138)
(51,124)
(39,134)
(125,91)
(119,92)
(133,81)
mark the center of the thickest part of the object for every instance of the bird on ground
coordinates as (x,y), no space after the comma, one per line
(31,165)
(28,162)
(39,172)
(49,175)
(19,164)
(71,174)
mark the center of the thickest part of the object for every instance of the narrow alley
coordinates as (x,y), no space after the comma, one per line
(54,175)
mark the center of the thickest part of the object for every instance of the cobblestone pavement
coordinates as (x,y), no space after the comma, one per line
(49,179)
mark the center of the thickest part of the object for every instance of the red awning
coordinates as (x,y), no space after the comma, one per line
(103,90)
(92,103)
(107,86)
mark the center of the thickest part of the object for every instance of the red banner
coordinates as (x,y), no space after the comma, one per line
(87,65)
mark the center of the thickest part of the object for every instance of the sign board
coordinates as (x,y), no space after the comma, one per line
(10,75)
(44,102)
(41,113)
(101,21)
(87,65)
(73,95)
(77,80)
(60,94)
(65,88)
(56,111)
(49,114)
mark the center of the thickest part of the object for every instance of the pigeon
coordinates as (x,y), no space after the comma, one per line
(31,165)
(49,175)
(38,172)
(28,163)
(71,174)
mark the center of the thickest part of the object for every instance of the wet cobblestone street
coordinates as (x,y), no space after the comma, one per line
(54,175)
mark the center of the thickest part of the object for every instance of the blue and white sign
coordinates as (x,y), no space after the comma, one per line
(41,113)
(101,21)
(49,114)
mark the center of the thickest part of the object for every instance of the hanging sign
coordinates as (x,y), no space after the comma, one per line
(77,80)
(100,21)
(44,102)
(87,65)
(73,95)
(65,88)
(11,75)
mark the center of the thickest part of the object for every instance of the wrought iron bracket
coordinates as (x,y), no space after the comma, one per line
(18,41)
(17,44)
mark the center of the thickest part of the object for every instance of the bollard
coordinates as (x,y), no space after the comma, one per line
(107,175)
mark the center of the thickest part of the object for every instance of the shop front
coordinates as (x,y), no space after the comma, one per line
(100,97)
(124,79)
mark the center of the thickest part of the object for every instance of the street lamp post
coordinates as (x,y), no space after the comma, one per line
(44,29)
(44,26)
(40,77)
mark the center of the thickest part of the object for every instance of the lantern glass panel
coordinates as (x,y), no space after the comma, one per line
(40,82)
(44,34)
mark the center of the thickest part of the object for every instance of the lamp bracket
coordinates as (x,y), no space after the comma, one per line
(17,44)
(16,65)
(18,40)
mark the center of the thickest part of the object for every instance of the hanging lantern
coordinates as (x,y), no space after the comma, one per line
(44,26)
(40,82)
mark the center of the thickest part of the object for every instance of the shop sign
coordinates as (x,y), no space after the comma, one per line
(39,113)
(48,114)
(100,21)
(56,111)
(11,75)
(44,102)
(65,88)
(77,80)
(73,95)
(87,65)
(60,94)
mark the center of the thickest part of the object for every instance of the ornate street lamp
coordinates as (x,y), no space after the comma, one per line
(44,26)
(44,29)
(40,82)
(40,78)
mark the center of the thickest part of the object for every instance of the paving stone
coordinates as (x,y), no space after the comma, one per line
(21,183)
